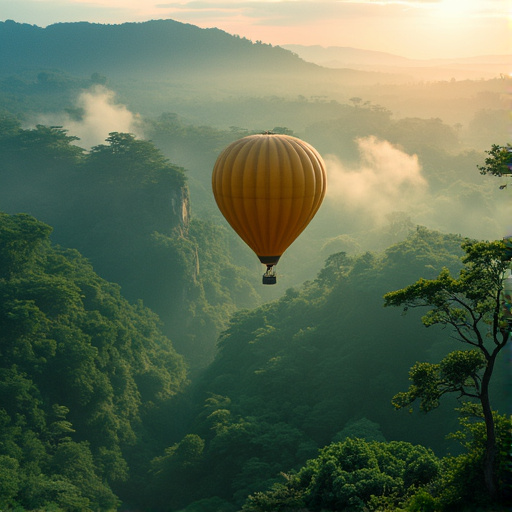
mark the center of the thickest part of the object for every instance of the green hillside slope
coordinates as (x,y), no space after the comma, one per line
(80,371)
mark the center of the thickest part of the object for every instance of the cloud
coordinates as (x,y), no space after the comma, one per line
(394,26)
(385,181)
(96,115)
(286,13)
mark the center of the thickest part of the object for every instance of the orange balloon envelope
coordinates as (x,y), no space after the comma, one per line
(269,187)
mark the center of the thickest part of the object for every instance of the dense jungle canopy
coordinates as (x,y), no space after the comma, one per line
(142,365)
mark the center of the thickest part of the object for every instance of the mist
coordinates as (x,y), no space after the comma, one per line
(387,181)
(96,113)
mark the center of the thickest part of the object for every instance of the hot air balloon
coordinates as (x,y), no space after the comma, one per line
(268,187)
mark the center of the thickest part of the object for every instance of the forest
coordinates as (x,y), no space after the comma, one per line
(144,367)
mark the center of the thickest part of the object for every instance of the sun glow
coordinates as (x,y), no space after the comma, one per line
(411,28)
(456,8)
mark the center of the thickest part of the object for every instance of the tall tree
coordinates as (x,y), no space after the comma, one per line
(472,305)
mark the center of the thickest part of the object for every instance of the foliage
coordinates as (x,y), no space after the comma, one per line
(349,476)
(368,475)
(458,372)
(210,505)
(462,484)
(499,161)
(459,486)
(79,368)
(361,429)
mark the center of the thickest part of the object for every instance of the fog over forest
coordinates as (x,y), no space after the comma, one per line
(143,365)
(382,182)
(99,114)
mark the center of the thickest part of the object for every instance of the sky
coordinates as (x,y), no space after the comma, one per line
(411,28)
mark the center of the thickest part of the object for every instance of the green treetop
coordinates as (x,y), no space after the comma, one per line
(499,161)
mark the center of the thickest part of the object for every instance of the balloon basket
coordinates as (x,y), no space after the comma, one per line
(269,277)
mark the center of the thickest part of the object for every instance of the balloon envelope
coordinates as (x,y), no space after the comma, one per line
(269,187)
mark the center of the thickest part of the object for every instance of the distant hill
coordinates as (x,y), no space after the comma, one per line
(161,46)
(481,66)
(158,49)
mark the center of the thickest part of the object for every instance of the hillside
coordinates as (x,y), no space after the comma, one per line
(131,49)
(158,49)
(82,374)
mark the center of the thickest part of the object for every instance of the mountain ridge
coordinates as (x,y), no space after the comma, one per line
(168,48)
(163,48)
(112,45)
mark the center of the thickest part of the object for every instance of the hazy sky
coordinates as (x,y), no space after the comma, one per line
(411,28)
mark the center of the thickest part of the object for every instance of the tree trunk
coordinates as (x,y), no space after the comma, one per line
(490,445)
